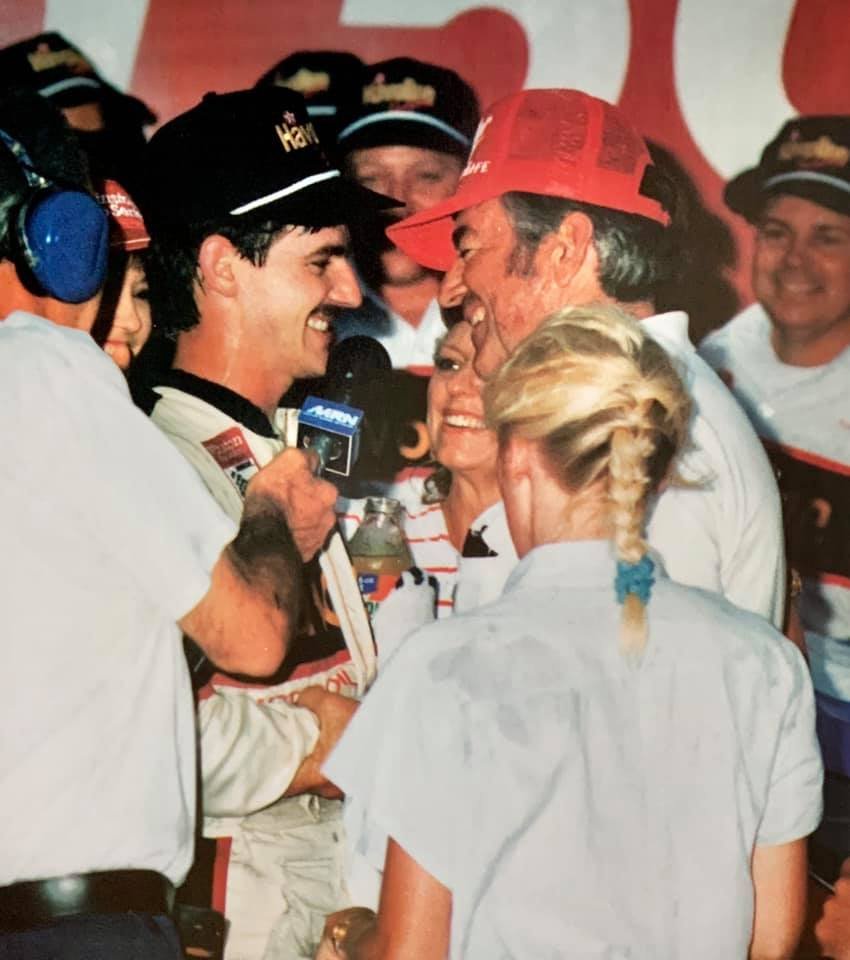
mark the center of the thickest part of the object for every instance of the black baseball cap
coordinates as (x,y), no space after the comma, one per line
(809,158)
(408,102)
(247,156)
(49,64)
(323,78)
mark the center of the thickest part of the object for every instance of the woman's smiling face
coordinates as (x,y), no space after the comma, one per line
(459,436)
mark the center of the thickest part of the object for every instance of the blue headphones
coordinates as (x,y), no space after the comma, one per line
(60,236)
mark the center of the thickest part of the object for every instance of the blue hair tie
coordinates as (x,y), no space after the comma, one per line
(634,578)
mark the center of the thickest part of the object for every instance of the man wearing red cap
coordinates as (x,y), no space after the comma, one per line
(560,205)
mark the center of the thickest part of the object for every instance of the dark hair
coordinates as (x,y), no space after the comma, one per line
(635,254)
(172,266)
(51,145)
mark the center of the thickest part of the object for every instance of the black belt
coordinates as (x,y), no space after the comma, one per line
(36,902)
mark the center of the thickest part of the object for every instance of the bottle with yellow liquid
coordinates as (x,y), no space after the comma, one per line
(379,552)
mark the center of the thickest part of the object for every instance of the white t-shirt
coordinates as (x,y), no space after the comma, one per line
(803,416)
(576,802)
(109,539)
(725,534)
(409,347)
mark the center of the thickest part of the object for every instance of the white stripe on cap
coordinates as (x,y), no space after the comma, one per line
(68,84)
(810,175)
(320,110)
(285,192)
(411,115)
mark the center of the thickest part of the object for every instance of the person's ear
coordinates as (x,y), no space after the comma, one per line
(216,259)
(568,250)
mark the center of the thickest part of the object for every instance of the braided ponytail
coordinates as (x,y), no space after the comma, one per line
(605,403)
(629,485)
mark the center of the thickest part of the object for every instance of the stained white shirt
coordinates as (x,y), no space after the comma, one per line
(577,803)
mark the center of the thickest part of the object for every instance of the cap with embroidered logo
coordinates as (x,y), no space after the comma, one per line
(323,78)
(809,158)
(62,73)
(406,102)
(559,143)
(251,154)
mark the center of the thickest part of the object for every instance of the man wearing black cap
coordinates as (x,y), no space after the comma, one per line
(249,270)
(787,359)
(405,130)
(114,550)
(109,124)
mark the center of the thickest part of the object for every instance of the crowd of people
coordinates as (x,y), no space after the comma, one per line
(574,728)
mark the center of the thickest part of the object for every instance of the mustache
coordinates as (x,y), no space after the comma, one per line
(329,311)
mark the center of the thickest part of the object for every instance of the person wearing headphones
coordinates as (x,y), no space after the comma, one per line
(114,550)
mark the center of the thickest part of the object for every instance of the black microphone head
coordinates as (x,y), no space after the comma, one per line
(355,357)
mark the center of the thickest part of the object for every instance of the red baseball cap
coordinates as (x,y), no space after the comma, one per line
(126,227)
(558,143)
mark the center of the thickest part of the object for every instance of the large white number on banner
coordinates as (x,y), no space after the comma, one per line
(728,68)
(571,44)
(109,33)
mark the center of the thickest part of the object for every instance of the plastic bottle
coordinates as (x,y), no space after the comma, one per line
(379,551)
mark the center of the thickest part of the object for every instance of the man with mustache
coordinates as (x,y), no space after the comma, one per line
(560,205)
(248,270)
(787,360)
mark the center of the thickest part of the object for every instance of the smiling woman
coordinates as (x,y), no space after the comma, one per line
(451,518)
(123,323)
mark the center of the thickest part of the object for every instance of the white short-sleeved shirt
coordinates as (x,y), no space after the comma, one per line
(576,802)
(803,415)
(109,539)
(725,534)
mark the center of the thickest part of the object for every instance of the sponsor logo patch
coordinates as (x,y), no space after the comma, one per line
(295,136)
(43,58)
(823,152)
(231,452)
(306,82)
(406,95)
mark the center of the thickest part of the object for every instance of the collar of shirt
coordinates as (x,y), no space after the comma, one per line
(222,398)
(670,330)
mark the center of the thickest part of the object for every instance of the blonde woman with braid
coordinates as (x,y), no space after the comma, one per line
(602,763)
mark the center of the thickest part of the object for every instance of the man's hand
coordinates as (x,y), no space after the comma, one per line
(333,712)
(345,934)
(307,501)
(833,928)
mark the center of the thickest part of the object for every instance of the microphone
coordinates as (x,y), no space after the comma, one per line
(330,425)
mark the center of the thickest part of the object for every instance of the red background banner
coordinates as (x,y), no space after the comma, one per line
(180,50)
